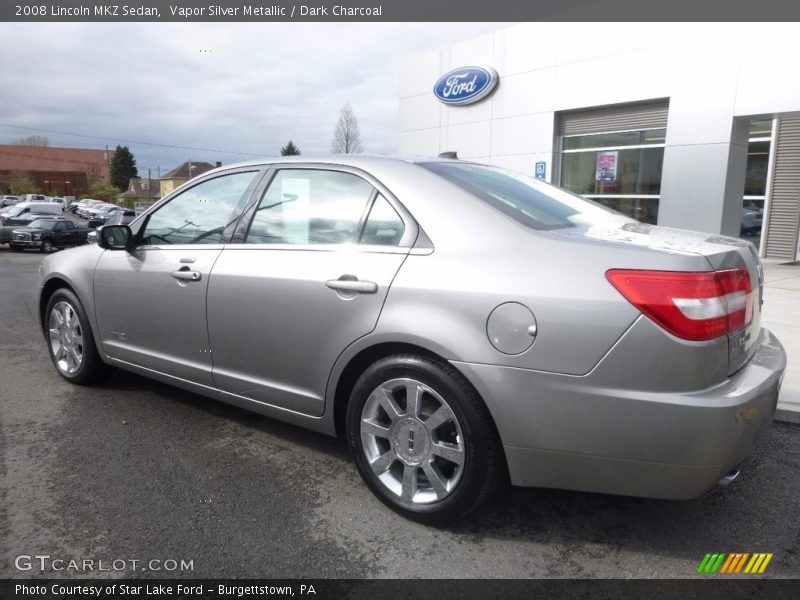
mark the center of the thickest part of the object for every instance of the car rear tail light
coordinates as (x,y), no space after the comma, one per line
(689,305)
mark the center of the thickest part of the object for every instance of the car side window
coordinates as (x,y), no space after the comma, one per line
(310,206)
(200,214)
(384,227)
(60,227)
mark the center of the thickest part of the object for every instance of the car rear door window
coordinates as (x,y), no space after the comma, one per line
(199,215)
(310,206)
(384,227)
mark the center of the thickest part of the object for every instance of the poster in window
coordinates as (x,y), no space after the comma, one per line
(296,209)
(607,166)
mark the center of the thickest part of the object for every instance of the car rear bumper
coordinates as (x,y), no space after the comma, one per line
(572,433)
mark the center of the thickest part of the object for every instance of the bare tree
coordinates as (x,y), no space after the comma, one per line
(32,140)
(346,137)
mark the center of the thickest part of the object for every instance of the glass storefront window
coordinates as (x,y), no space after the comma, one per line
(603,172)
(621,170)
(757,164)
(755,185)
(615,139)
(761,128)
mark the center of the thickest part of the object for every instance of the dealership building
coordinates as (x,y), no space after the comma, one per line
(682,125)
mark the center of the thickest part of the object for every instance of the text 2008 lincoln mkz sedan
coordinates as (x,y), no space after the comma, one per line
(461,324)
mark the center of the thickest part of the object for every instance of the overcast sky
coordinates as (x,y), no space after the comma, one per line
(259,86)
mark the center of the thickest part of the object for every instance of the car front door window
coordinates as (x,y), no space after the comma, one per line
(199,215)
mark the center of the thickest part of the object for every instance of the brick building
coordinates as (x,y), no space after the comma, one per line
(54,171)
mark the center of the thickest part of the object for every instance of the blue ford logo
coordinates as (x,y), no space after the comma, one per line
(465,85)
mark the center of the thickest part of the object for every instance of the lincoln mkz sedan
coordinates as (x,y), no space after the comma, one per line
(461,325)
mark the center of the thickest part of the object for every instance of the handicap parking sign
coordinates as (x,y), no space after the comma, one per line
(541,170)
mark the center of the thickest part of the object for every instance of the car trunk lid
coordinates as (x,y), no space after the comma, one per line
(721,252)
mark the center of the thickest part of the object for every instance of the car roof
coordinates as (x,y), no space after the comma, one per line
(358,161)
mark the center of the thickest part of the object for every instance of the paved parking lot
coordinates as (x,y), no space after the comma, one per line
(138,470)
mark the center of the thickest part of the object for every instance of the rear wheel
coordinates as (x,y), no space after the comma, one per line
(423,440)
(69,340)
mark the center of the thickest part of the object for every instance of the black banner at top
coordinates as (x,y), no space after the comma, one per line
(396,10)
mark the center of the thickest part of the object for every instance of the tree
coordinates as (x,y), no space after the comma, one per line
(101,190)
(32,140)
(346,136)
(123,167)
(290,149)
(20,184)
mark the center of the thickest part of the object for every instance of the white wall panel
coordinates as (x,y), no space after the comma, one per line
(471,140)
(523,135)
(525,93)
(419,112)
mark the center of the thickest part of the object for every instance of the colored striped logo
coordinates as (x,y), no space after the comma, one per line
(735,562)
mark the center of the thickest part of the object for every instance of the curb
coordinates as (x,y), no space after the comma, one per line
(787,416)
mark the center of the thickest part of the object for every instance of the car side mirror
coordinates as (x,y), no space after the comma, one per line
(114,237)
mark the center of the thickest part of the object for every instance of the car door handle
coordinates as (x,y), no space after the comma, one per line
(352,285)
(187,275)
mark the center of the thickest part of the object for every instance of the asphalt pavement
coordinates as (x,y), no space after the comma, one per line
(133,470)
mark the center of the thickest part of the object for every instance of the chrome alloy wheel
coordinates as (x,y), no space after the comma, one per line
(66,338)
(412,441)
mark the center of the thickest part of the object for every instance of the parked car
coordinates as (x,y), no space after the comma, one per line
(751,222)
(35,198)
(460,324)
(99,211)
(8,226)
(29,207)
(121,217)
(48,233)
(8,201)
(76,206)
(85,212)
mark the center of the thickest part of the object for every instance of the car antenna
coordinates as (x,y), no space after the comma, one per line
(449,154)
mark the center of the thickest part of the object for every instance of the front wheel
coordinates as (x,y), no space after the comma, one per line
(423,440)
(69,340)
(47,247)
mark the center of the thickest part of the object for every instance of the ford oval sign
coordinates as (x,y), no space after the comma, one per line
(465,85)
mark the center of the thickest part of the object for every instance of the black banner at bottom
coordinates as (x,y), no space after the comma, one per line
(335,589)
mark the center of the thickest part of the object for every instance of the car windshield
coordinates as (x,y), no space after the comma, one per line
(15,212)
(42,224)
(527,200)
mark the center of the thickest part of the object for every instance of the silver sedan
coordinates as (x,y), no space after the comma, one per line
(463,326)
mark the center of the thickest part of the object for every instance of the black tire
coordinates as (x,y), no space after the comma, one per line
(92,368)
(17,248)
(47,247)
(484,468)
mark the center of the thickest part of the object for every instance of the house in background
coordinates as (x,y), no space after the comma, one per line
(56,171)
(141,191)
(183,173)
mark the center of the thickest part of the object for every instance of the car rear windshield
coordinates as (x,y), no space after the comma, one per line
(533,203)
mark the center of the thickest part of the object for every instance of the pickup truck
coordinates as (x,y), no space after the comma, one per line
(46,234)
